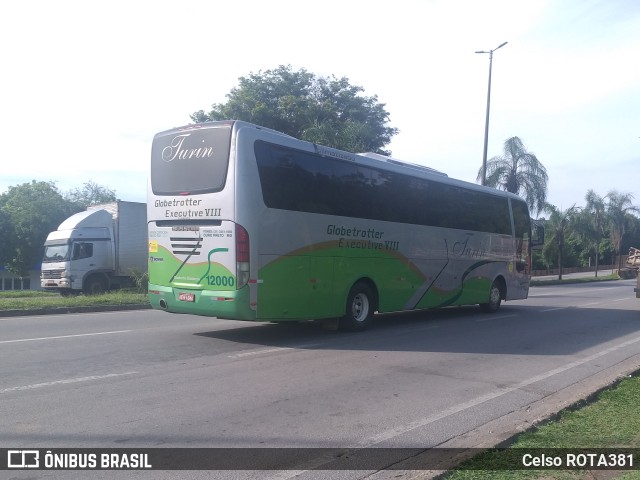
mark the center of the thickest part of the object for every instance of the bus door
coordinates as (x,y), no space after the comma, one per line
(296,286)
(284,286)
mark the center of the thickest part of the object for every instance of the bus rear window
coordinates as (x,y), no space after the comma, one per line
(190,161)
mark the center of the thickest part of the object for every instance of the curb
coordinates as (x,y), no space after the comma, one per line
(80,309)
(568,281)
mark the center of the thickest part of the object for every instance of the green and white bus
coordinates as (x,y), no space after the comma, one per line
(248,223)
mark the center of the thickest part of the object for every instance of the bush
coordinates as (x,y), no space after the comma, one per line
(140,280)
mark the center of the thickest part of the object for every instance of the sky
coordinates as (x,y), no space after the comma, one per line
(86,85)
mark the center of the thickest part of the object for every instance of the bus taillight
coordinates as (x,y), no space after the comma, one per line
(242,255)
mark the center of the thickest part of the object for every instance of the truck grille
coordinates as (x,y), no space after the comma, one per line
(52,274)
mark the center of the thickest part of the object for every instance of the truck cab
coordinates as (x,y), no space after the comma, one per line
(79,255)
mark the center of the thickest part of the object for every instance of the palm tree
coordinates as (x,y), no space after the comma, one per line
(585,230)
(518,170)
(595,207)
(557,228)
(618,207)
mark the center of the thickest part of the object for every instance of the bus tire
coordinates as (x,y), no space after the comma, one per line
(94,285)
(495,298)
(360,307)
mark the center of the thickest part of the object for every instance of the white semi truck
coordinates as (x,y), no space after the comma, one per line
(96,250)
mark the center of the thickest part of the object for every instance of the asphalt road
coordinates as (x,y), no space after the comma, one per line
(452,377)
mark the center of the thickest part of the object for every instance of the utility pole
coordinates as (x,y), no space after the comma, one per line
(486,125)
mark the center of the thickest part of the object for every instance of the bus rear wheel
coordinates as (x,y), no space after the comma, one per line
(495,299)
(360,307)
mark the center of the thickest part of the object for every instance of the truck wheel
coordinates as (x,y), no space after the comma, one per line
(360,306)
(68,293)
(94,285)
(495,298)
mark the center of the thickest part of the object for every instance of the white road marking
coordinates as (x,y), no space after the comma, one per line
(62,382)
(64,336)
(259,352)
(603,302)
(422,422)
(264,351)
(497,317)
(370,442)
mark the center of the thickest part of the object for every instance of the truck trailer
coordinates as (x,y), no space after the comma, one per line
(633,261)
(96,250)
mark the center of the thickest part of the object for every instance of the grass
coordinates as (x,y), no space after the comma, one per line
(612,421)
(34,300)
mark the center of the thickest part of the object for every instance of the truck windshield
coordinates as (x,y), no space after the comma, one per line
(56,253)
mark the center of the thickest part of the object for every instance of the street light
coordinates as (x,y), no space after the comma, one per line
(486,125)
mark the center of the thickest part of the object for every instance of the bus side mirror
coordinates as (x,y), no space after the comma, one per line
(537,235)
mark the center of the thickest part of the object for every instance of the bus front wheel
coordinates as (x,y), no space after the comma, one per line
(360,306)
(495,299)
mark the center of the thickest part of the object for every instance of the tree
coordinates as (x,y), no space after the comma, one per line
(619,208)
(595,208)
(557,228)
(324,110)
(33,209)
(91,194)
(518,170)
(7,237)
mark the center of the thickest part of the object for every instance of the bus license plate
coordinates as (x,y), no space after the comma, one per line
(187,297)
